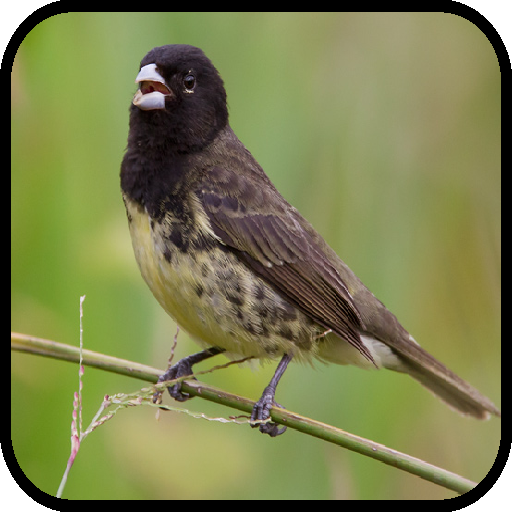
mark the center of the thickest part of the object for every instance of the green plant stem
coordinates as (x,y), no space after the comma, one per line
(439,476)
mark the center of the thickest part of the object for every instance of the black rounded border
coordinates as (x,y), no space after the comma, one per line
(456,8)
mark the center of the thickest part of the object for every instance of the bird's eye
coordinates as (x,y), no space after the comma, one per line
(189,82)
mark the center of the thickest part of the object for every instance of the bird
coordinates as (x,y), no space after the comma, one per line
(232,262)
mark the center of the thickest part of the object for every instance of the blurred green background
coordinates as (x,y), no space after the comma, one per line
(382,129)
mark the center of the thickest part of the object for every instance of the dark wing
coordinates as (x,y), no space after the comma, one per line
(252,219)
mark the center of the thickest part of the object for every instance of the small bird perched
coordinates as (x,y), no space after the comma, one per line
(232,262)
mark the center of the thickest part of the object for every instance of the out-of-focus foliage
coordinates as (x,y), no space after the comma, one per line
(382,129)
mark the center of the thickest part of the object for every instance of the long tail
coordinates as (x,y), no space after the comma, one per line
(449,387)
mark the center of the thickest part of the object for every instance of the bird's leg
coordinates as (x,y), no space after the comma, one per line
(182,368)
(261,410)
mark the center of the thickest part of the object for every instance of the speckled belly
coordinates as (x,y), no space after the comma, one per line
(216,298)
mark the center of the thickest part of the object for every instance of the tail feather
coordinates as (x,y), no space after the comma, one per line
(449,387)
(456,393)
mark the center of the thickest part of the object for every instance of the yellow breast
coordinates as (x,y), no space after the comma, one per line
(215,297)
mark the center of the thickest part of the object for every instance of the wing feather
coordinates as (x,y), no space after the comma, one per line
(269,236)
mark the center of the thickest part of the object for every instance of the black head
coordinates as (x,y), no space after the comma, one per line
(181,101)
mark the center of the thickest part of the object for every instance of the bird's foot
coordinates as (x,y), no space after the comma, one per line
(181,369)
(261,412)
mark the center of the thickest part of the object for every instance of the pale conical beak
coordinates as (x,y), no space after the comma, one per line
(152,89)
